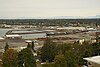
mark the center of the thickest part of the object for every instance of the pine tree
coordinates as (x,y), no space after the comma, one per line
(60,61)
(26,58)
(48,51)
(9,58)
(6,47)
(32,46)
(28,46)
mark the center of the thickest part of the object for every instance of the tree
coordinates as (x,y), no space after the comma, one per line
(73,53)
(96,47)
(62,48)
(71,58)
(29,46)
(9,58)
(26,58)
(48,51)
(6,47)
(82,51)
(32,46)
(60,61)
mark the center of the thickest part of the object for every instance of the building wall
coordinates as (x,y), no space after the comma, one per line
(98,33)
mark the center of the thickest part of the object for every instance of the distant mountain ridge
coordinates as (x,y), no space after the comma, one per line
(55,17)
(75,17)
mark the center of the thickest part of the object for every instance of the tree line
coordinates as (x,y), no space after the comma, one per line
(59,55)
(68,55)
(46,22)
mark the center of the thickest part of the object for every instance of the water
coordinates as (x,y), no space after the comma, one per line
(3,31)
(24,36)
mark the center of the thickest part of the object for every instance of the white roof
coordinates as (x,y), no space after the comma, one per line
(1,38)
(22,47)
(15,35)
(28,41)
(80,28)
(95,59)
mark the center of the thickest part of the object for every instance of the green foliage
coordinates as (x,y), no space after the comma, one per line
(48,51)
(60,61)
(26,58)
(71,58)
(62,48)
(48,65)
(73,53)
(96,47)
(51,49)
(9,58)
(82,51)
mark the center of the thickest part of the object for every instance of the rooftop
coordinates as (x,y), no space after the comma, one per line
(15,35)
(95,59)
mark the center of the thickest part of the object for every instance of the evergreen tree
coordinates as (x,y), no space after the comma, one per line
(60,61)
(71,58)
(6,47)
(26,58)
(32,46)
(9,58)
(29,46)
(48,51)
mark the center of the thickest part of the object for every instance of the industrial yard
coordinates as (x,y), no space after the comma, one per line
(17,37)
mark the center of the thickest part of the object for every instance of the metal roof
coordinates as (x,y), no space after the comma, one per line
(95,59)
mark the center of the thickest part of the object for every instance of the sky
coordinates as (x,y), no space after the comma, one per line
(48,8)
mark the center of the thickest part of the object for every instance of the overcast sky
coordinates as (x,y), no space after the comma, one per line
(49,8)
